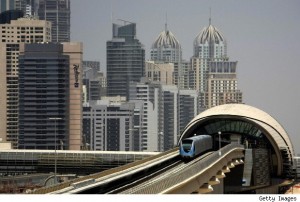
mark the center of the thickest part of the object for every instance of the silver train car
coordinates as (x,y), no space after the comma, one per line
(193,146)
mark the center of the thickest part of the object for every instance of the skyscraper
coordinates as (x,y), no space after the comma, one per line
(58,13)
(29,7)
(108,124)
(222,84)
(160,71)
(170,116)
(12,35)
(125,60)
(214,75)
(166,48)
(151,122)
(50,87)
(7,5)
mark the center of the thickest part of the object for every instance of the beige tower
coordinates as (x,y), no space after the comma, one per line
(74,50)
(54,92)
(12,35)
(160,71)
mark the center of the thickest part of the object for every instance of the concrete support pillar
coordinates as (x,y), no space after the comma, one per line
(230,165)
(214,180)
(205,188)
(220,174)
(225,169)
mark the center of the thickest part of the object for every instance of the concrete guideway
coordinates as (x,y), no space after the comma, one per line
(193,177)
(78,183)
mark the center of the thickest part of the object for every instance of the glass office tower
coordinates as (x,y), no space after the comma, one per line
(125,60)
(43,93)
(50,87)
(58,13)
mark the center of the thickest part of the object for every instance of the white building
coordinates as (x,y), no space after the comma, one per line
(166,48)
(151,122)
(213,75)
(107,125)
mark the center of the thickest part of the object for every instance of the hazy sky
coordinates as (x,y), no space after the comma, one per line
(263,36)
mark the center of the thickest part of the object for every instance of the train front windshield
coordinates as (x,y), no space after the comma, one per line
(186,145)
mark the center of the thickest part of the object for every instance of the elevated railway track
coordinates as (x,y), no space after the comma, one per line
(163,173)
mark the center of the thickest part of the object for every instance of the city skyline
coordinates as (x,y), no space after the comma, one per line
(261,36)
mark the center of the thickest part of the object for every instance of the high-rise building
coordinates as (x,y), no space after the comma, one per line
(50,87)
(9,15)
(178,109)
(125,60)
(7,5)
(166,48)
(188,108)
(213,75)
(160,71)
(151,123)
(58,13)
(29,7)
(12,35)
(94,81)
(170,116)
(108,125)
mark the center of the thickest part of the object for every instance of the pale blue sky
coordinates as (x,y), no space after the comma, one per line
(263,36)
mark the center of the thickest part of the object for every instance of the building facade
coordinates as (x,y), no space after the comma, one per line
(125,60)
(107,125)
(213,75)
(160,72)
(50,88)
(13,35)
(166,48)
(58,13)
(150,124)
(7,16)
(188,108)
(222,84)
(94,81)
(170,116)
(7,5)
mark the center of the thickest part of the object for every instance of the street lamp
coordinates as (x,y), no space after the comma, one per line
(219,143)
(55,156)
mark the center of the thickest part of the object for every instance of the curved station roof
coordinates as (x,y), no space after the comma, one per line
(247,121)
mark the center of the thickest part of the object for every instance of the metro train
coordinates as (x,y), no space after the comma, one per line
(193,146)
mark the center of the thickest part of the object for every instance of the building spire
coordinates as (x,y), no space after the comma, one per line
(166,24)
(210,16)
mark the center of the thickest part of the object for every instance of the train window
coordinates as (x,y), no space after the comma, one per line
(187,144)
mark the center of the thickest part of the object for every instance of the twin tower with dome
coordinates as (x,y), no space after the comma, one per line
(209,71)
(209,43)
